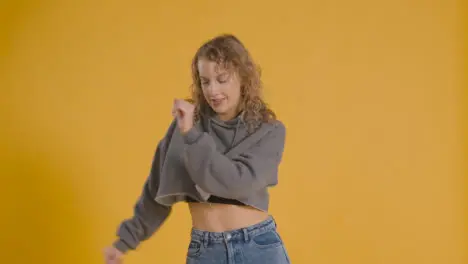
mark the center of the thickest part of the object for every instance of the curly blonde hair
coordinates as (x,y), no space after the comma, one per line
(228,51)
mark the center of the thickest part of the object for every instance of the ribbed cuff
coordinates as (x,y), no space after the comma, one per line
(121,246)
(192,135)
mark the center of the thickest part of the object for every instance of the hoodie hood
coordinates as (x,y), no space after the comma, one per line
(226,134)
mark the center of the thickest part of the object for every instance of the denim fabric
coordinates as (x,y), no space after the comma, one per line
(258,243)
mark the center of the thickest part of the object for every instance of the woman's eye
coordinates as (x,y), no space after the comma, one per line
(223,79)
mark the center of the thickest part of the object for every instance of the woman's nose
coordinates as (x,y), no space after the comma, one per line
(213,88)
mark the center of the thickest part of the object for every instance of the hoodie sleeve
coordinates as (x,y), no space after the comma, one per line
(148,215)
(236,177)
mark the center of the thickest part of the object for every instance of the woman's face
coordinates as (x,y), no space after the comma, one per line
(221,88)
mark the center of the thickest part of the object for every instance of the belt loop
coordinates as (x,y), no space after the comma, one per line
(206,237)
(246,235)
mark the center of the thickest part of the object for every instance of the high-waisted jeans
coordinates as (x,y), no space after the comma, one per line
(259,243)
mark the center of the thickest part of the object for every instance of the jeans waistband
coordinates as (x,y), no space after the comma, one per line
(239,234)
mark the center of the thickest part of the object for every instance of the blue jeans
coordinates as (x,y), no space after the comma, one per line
(259,243)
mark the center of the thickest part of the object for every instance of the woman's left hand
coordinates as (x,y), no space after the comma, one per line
(183,111)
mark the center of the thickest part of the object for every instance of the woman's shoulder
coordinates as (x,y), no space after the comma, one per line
(272,128)
(270,135)
(274,124)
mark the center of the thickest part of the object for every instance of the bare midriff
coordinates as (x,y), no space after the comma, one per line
(214,217)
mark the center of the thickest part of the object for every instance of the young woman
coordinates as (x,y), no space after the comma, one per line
(220,155)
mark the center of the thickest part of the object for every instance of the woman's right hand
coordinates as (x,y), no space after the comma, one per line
(113,255)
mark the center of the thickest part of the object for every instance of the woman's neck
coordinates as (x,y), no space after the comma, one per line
(228,116)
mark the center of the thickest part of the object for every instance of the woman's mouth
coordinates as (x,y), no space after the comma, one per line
(217,102)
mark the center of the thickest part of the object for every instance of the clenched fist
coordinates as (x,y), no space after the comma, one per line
(112,255)
(183,112)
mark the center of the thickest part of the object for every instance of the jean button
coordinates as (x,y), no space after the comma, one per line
(228,236)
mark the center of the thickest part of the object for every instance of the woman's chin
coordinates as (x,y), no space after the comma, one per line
(219,110)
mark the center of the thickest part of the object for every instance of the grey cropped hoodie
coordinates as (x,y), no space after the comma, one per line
(213,158)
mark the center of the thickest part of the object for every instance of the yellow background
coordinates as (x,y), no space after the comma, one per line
(370,92)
